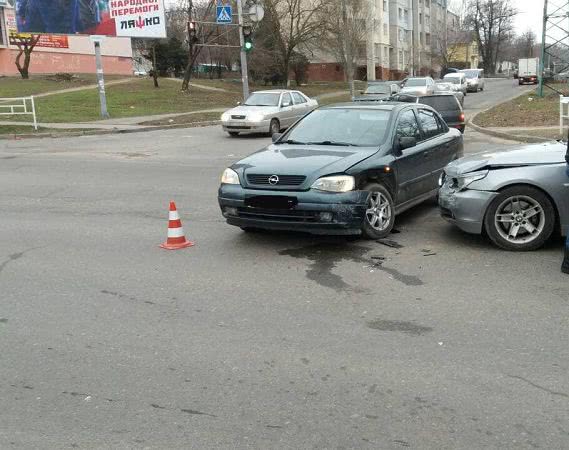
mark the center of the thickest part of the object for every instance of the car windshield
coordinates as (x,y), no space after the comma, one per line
(453,80)
(415,82)
(378,89)
(263,99)
(442,103)
(471,73)
(341,126)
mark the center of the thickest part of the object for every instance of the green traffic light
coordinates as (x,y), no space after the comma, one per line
(248,46)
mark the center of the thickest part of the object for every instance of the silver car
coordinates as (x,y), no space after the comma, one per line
(474,79)
(517,197)
(419,86)
(267,112)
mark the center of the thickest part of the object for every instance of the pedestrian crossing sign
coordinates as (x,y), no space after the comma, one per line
(224,14)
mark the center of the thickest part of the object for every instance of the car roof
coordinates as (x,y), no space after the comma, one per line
(381,106)
(275,91)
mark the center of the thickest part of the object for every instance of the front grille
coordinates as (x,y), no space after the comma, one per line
(238,117)
(278,215)
(284,180)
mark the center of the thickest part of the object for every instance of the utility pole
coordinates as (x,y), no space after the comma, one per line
(543,44)
(100,78)
(244,69)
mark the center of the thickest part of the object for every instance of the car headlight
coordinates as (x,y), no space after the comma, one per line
(462,182)
(339,183)
(255,117)
(230,177)
(225,117)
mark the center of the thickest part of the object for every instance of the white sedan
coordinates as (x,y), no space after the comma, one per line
(267,112)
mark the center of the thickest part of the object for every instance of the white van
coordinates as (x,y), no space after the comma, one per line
(475,79)
(458,79)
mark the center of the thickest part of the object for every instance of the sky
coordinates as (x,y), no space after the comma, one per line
(530,15)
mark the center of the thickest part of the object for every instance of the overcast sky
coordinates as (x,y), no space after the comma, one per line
(530,15)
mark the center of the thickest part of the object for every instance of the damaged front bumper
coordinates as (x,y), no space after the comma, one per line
(310,211)
(466,209)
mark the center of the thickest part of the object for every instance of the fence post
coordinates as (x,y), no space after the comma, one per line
(34,113)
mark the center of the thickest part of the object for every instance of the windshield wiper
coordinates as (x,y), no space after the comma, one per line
(334,143)
(291,142)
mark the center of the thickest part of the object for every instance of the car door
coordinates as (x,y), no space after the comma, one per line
(301,106)
(438,146)
(286,112)
(410,163)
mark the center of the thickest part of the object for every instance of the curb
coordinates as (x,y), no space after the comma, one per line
(55,135)
(503,135)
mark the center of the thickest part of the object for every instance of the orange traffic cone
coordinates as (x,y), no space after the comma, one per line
(176,238)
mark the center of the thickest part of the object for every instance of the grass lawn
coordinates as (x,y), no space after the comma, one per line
(16,87)
(136,98)
(527,110)
(186,119)
(546,133)
(336,99)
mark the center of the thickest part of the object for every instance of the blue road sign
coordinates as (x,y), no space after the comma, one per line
(224,14)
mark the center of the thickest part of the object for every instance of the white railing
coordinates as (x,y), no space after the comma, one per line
(19,106)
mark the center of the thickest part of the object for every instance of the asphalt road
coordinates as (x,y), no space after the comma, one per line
(259,340)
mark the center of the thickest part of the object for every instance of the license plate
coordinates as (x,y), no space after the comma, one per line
(271,202)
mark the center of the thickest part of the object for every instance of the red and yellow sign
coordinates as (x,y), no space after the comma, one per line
(46,40)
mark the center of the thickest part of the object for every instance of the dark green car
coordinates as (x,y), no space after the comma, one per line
(342,169)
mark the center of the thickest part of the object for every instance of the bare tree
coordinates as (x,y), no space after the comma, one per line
(345,32)
(26,44)
(295,26)
(492,22)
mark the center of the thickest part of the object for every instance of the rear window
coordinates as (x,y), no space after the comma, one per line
(441,103)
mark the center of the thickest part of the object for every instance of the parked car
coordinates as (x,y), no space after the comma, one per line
(267,112)
(342,169)
(459,80)
(419,86)
(449,88)
(447,105)
(377,91)
(474,79)
(517,197)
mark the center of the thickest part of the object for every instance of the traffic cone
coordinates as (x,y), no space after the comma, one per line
(176,238)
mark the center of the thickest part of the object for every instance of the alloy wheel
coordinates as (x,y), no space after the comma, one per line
(520,219)
(378,213)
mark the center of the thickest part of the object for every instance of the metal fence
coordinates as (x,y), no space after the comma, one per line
(19,106)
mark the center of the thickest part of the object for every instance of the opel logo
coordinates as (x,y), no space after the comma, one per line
(273,180)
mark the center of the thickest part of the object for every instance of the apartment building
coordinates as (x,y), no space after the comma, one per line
(408,37)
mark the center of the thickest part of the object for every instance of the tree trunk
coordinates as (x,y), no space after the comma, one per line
(154,68)
(23,70)
(188,71)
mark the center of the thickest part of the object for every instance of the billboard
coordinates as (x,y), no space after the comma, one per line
(46,40)
(125,18)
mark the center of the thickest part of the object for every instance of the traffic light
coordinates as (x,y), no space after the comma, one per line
(248,38)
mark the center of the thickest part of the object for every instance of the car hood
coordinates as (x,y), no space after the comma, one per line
(529,155)
(314,160)
(243,110)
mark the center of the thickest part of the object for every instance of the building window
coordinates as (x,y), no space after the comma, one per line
(401,35)
(427,20)
(406,16)
(400,14)
(400,58)
(384,5)
(428,39)
(385,29)
(420,19)
(427,4)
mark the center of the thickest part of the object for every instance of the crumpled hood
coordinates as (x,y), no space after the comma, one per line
(529,155)
(244,110)
(317,160)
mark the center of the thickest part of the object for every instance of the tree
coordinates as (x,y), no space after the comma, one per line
(492,23)
(345,33)
(26,44)
(294,26)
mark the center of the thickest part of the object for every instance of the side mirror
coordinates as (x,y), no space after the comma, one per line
(405,142)
(238,103)
(275,137)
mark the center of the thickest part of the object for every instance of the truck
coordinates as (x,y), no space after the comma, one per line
(528,70)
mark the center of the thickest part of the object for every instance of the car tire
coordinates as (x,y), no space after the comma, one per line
(274,127)
(233,133)
(378,223)
(511,208)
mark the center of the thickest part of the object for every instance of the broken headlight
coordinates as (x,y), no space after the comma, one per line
(461,182)
(338,183)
